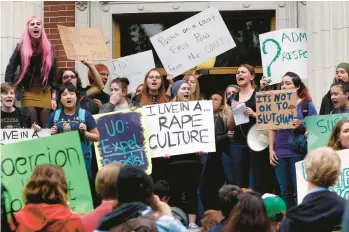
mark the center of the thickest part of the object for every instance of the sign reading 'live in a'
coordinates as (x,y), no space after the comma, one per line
(193,41)
(178,128)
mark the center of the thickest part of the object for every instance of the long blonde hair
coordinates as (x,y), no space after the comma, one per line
(196,96)
(223,113)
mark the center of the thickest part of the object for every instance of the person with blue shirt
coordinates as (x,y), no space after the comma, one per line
(321,210)
(281,155)
(340,97)
(71,118)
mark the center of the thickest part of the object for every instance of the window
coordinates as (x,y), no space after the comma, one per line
(132,33)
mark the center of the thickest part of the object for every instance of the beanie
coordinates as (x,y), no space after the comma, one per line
(176,87)
(273,205)
(344,66)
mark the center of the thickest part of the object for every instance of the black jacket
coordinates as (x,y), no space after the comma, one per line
(121,214)
(318,212)
(326,104)
(34,68)
(221,135)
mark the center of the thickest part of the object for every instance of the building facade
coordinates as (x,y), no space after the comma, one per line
(127,26)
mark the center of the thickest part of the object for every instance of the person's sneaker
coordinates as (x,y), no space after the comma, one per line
(193,226)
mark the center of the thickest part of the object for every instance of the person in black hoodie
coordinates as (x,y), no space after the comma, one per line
(213,176)
(320,210)
(13,117)
(134,191)
(342,74)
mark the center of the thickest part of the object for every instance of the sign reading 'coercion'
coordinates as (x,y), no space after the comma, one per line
(193,41)
(180,128)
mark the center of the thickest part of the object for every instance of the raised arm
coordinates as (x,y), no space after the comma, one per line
(97,85)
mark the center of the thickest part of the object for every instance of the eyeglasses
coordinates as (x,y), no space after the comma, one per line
(69,77)
(104,74)
(154,77)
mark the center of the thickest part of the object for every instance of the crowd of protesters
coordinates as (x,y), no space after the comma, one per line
(234,185)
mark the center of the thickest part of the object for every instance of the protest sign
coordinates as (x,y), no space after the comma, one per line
(180,128)
(123,139)
(239,114)
(284,51)
(320,128)
(82,43)
(276,109)
(193,41)
(19,160)
(17,135)
(134,67)
(342,186)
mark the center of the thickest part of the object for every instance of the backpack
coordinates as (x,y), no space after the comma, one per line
(297,140)
(142,223)
(82,119)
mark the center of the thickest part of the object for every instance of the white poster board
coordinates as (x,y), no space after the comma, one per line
(342,186)
(193,41)
(17,135)
(284,51)
(180,128)
(134,67)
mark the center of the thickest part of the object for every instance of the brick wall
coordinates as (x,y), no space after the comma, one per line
(59,13)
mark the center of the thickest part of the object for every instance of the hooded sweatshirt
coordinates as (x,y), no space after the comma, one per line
(131,210)
(318,212)
(48,218)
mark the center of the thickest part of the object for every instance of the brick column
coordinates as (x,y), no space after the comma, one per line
(59,13)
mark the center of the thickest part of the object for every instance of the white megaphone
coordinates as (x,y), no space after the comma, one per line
(257,140)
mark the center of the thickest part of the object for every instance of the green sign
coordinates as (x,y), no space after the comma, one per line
(19,160)
(320,128)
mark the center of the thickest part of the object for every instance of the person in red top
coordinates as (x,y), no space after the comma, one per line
(106,190)
(46,204)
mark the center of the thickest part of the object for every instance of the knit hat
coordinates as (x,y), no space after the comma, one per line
(176,87)
(274,205)
(344,66)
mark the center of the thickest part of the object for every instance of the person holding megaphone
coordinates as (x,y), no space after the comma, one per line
(245,158)
(281,154)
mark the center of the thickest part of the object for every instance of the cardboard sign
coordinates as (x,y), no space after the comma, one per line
(342,186)
(276,109)
(320,128)
(193,41)
(19,160)
(284,51)
(82,43)
(180,128)
(134,67)
(122,139)
(17,135)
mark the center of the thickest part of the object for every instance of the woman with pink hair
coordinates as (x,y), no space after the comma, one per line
(36,79)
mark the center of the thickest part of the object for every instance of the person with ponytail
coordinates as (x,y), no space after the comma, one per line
(36,80)
(243,157)
(281,155)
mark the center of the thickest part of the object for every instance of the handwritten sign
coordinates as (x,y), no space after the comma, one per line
(180,128)
(16,135)
(122,139)
(320,128)
(82,43)
(193,41)
(19,160)
(134,67)
(342,186)
(276,109)
(284,51)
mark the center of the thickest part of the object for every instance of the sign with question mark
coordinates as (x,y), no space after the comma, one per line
(284,51)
